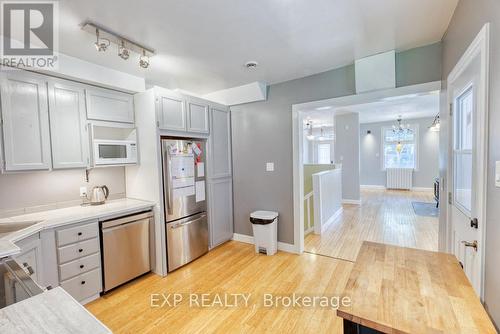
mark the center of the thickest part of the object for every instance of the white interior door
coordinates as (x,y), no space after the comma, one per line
(467,88)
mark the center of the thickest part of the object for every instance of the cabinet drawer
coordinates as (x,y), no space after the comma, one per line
(78,250)
(84,286)
(77,233)
(79,266)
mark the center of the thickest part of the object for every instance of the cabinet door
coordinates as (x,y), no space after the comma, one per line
(109,105)
(30,257)
(172,113)
(25,117)
(197,117)
(220,143)
(221,210)
(68,132)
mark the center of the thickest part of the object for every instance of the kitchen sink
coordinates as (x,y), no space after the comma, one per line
(6,228)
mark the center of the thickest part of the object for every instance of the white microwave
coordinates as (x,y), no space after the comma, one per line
(114,152)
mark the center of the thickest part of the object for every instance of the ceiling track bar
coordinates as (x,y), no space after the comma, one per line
(116,38)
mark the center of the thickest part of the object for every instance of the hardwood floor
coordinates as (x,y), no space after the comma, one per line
(384,216)
(230,268)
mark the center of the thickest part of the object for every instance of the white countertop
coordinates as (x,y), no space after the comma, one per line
(53,311)
(70,215)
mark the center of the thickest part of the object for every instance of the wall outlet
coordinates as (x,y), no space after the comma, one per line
(270,167)
(83,191)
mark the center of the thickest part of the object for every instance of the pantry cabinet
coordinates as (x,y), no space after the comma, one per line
(220,142)
(109,105)
(68,129)
(25,121)
(220,185)
(220,194)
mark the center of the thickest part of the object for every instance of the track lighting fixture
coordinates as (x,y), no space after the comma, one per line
(144,60)
(101,44)
(123,52)
(105,36)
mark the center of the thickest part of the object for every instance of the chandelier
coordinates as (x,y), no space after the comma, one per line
(400,130)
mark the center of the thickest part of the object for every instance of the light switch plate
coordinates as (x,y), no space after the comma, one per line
(83,191)
(270,167)
(497,174)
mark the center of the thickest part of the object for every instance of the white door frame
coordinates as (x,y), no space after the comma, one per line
(298,111)
(480,46)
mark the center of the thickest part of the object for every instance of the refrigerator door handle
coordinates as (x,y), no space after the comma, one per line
(170,190)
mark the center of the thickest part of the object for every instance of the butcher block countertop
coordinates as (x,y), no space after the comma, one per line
(403,290)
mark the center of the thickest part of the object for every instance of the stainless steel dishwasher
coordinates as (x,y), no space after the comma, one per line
(125,249)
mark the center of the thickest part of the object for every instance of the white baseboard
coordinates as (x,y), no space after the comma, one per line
(351,201)
(248,239)
(309,230)
(332,219)
(372,187)
(422,189)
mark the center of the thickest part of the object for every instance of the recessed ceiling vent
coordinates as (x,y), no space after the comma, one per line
(252,64)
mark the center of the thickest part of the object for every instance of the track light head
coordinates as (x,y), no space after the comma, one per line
(144,60)
(123,52)
(101,44)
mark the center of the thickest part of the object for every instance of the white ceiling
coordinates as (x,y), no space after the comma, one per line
(408,106)
(202,45)
(320,118)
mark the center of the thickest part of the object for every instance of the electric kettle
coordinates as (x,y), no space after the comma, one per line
(98,195)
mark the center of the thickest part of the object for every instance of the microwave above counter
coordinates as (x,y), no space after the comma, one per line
(114,152)
(113,144)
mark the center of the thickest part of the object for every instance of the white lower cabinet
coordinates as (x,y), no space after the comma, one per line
(84,286)
(79,260)
(30,257)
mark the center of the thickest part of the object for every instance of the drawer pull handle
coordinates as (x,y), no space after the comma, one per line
(83,282)
(79,234)
(81,266)
(80,250)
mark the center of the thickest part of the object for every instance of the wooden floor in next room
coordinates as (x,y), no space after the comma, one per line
(385,216)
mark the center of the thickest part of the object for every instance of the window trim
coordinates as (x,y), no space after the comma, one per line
(416,141)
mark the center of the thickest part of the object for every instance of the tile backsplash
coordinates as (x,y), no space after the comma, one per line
(40,191)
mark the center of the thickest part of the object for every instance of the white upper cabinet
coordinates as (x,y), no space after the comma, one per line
(171,113)
(220,143)
(68,132)
(197,116)
(25,126)
(109,105)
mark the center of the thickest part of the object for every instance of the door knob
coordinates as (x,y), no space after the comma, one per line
(471,244)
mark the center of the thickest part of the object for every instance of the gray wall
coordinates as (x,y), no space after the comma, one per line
(347,153)
(371,154)
(262,132)
(23,190)
(417,65)
(467,21)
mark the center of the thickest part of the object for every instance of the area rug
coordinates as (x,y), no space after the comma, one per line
(425,209)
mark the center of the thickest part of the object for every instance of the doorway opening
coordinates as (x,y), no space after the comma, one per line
(346,201)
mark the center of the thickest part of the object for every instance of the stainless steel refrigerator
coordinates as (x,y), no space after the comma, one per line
(184,171)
